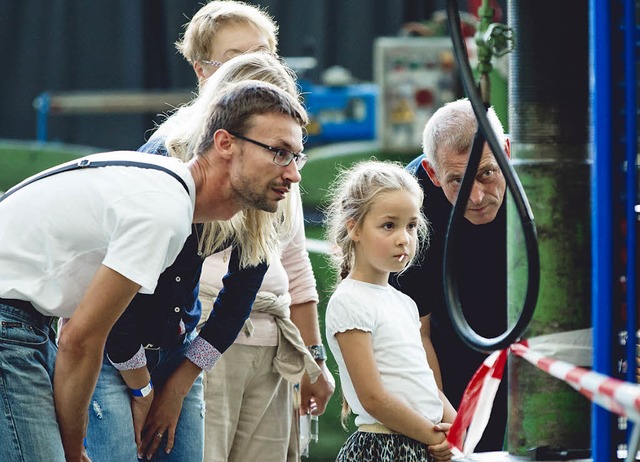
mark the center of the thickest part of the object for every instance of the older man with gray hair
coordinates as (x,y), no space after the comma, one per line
(480,257)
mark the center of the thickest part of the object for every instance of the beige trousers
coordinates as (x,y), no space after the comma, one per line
(249,409)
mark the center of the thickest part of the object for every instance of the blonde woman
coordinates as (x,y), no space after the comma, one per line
(238,429)
(157,332)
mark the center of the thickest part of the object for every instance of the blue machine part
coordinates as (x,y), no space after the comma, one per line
(340,113)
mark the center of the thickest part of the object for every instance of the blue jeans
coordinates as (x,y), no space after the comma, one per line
(28,426)
(110,435)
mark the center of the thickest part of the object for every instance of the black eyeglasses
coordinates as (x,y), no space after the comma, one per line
(281,156)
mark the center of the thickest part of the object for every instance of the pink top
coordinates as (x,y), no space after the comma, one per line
(290,272)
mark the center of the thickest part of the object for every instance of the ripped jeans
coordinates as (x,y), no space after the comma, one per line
(110,435)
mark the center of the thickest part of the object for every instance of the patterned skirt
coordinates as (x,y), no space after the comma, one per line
(380,447)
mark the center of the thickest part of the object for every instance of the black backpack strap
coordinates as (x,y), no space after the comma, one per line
(88,163)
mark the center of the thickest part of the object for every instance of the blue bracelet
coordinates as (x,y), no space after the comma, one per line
(142,392)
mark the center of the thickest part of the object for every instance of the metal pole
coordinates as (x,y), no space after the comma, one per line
(631,152)
(548,119)
(42,105)
(601,216)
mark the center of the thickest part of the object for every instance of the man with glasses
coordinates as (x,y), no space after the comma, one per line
(80,244)
(179,419)
(280,156)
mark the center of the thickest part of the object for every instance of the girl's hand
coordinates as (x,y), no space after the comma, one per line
(443,427)
(441,451)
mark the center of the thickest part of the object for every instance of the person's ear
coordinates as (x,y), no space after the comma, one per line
(507,147)
(353,230)
(431,172)
(223,141)
(200,73)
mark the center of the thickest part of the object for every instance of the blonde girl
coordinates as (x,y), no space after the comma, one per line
(376,226)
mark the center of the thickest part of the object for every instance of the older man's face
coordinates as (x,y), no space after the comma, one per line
(488,189)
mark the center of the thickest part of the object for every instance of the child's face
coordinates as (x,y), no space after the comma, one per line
(386,240)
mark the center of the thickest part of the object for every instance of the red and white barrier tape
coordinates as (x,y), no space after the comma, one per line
(477,401)
(620,397)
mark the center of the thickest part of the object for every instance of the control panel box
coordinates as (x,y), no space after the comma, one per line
(415,76)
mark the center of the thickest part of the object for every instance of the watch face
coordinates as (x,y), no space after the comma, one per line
(318,352)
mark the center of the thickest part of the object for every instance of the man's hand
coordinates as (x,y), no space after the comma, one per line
(315,396)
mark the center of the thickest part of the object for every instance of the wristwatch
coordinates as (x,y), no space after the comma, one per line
(318,352)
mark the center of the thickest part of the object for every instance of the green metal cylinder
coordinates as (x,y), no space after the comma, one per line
(548,118)
(544,411)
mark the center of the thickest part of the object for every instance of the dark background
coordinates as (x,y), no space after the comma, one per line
(71,45)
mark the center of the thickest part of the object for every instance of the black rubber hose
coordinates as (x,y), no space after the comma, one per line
(485,132)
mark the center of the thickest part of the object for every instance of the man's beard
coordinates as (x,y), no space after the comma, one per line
(253,199)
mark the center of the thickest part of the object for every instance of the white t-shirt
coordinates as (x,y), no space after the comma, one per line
(56,232)
(392,318)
